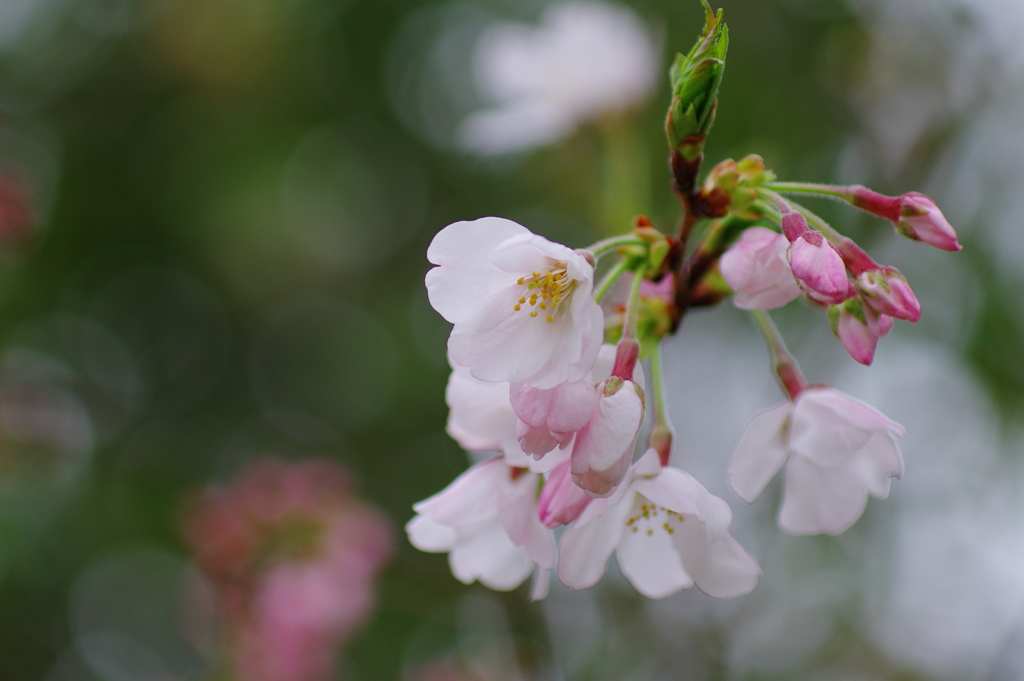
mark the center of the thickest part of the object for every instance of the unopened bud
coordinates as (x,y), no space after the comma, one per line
(921,220)
(887,291)
(858,328)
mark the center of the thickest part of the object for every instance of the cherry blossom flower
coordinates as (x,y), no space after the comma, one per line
(668,533)
(858,328)
(521,305)
(487,522)
(836,450)
(293,555)
(757,269)
(586,58)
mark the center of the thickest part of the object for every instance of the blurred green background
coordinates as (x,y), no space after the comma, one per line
(233,199)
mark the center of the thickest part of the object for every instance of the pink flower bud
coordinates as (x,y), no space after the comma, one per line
(858,328)
(755,267)
(887,292)
(921,220)
(604,447)
(561,500)
(819,268)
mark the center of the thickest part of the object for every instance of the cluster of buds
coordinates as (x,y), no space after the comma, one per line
(553,384)
(862,297)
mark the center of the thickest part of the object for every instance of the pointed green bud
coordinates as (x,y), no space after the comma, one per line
(695,79)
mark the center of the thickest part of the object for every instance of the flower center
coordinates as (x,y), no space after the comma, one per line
(651,516)
(544,291)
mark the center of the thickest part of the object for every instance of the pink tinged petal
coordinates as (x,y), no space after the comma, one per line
(561,500)
(649,559)
(519,459)
(819,269)
(761,452)
(584,550)
(426,535)
(563,409)
(463,252)
(722,569)
(539,441)
(922,220)
(490,556)
(756,268)
(820,499)
(604,447)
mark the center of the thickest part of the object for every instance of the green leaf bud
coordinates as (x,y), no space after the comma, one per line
(695,79)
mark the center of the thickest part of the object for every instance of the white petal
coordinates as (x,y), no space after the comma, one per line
(721,569)
(518,515)
(761,452)
(819,499)
(490,556)
(830,426)
(470,498)
(426,535)
(680,492)
(584,550)
(650,561)
(463,253)
(481,418)
(877,463)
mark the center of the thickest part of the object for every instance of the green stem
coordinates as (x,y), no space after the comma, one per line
(784,365)
(613,275)
(629,324)
(603,246)
(842,193)
(661,433)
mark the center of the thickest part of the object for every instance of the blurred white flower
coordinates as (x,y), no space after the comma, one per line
(836,451)
(585,58)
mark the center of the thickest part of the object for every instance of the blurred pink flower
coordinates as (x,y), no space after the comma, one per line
(293,554)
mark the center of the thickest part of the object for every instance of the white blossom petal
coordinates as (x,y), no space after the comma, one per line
(489,555)
(721,569)
(649,559)
(761,452)
(584,549)
(463,251)
(426,535)
(820,499)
